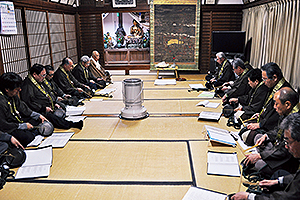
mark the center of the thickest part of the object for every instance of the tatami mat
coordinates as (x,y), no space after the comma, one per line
(153,77)
(152,106)
(121,161)
(225,184)
(91,192)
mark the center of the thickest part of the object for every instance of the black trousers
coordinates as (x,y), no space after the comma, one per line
(24,136)
(58,122)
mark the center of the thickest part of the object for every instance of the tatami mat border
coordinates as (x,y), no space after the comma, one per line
(150,115)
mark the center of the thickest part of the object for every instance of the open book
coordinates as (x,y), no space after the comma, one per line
(220,135)
(195,193)
(209,116)
(224,164)
(37,164)
(57,140)
(105,92)
(73,110)
(208,104)
(206,94)
(197,87)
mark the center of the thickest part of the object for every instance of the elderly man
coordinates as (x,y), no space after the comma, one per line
(224,74)
(16,118)
(240,86)
(97,70)
(39,98)
(67,82)
(253,101)
(282,187)
(84,76)
(271,154)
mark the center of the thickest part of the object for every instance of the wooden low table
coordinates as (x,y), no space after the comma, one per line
(168,69)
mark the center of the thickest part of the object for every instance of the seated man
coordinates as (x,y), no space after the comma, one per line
(222,74)
(267,119)
(240,86)
(61,98)
(271,154)
(246,63)
(15,117)
(68,83)
(252,102)
(39,99)
(84,76)
(287,187)
(97,70)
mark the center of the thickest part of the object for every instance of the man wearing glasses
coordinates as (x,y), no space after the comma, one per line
(286,186)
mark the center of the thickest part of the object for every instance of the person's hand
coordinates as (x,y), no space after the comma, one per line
(79,90)
(253,126)
(57,105)
(87,87)
(67,96)
(99,79)
(15,142)
(235,100)
(43,118)
(251,158)
(240,196)
(224,98)
(225,88)
(261,140)
(224,84)
(29,126)
(59,99)
(92,81)
(213,80)
(268,183)
(255,116)
(48,109)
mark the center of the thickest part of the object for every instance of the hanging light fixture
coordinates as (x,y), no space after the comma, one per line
(133,97)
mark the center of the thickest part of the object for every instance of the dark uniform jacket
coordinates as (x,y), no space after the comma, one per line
(269,117)
(63,83)
(82,74)
(253,101)
(291,192)
(99,72)
(35,98)
(8,122)
(53,88)
(240,86)
(226,75)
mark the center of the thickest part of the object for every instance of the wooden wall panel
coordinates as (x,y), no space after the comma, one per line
(216,18)
(91,34)
(71,40)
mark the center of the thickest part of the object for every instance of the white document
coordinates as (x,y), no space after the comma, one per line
(73,110)
(208,104)
(105,91)
(37,140)
(57,140)
(73,118)
(211,116)
(206,94)
(165,82)
(220,135)
(197,86)
(238,113)
(37,163)
(223,164)
(195,193)
(98,99)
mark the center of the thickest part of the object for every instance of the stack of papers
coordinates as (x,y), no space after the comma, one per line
(105,91)
(57,140)
(224,164)
(220,135)
(208,104)
(195,193)
(206,94)
(197,87)
(165,82)
(37,163)
(73,110)
(209,116)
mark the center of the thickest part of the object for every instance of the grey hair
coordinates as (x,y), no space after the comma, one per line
(238,62)
(292,123)
(221,55)
(85,59)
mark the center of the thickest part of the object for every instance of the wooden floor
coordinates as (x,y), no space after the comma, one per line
(159,157)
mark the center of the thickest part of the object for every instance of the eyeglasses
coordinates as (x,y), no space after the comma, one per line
(265,79)
(287,143)
(43,75)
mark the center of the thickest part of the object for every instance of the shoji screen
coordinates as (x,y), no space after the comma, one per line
(71,37)
(38,39)
(13,49)
(57,38)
